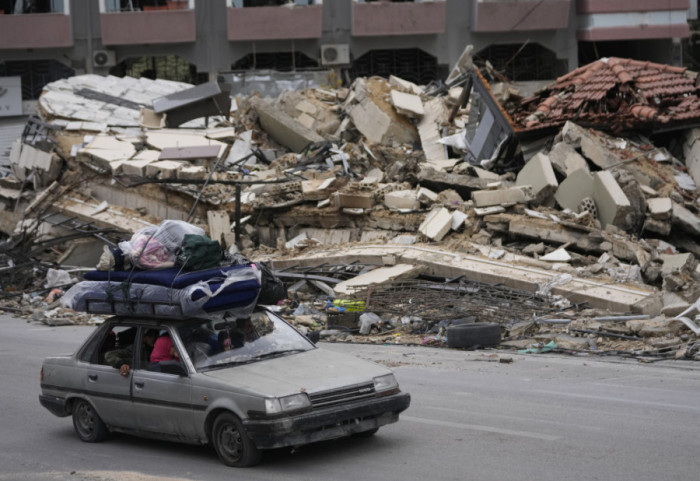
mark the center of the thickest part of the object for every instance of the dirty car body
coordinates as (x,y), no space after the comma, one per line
(243,385)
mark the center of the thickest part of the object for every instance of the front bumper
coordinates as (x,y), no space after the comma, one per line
(55,404)
(327,423)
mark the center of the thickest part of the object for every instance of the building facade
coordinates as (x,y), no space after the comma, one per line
(41,40)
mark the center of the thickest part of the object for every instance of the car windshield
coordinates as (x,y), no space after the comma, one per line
(219,343)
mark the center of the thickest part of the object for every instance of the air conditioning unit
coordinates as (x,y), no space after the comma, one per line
(337,54)
(104,58)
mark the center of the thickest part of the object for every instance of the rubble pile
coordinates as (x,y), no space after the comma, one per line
(580,201)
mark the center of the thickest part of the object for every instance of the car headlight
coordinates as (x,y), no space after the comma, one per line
(285,404)
(385,383)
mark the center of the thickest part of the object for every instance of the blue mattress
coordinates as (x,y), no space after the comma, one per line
(171,277)
(165,293)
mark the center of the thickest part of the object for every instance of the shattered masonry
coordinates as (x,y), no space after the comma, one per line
(574,204)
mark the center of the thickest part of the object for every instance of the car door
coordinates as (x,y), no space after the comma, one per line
(107,390)
(162,401)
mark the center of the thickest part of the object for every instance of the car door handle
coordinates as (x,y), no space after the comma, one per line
(92,377)
(139,385)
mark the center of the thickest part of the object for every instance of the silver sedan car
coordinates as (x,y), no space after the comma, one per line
(243,385)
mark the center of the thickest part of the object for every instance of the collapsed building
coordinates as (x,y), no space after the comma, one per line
(568,217)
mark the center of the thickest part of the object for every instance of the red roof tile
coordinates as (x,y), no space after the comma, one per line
(613,92)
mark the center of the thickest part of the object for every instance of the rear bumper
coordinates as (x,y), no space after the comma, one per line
(328,423)
(55,404)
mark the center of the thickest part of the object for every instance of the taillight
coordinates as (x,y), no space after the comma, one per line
(41,374)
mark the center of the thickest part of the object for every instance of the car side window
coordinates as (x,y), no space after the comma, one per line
(117,346)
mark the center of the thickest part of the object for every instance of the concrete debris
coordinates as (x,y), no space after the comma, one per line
(438,181)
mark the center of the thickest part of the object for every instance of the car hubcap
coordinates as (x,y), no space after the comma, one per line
(85,418)
(231,442)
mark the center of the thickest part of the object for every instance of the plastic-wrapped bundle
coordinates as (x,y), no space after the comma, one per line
(235,292)
(154,247)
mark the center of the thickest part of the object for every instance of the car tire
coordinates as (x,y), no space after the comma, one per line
(233,445)
(470,335)
(87,423)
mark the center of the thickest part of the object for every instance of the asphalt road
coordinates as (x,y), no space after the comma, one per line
(540,417)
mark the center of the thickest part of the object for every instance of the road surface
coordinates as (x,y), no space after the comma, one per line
(543,417)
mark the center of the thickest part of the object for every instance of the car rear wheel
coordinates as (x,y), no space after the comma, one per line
(232,443)
(87,423)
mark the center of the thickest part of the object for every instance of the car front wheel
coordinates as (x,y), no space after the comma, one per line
(232,443)
(87,423)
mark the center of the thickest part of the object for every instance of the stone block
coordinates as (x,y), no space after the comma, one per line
(436,224)
(164,169)
(134,167)
(402,199)
(685,219)
(355,200)
(576,187)
(458,219)
(426,196)
(660,207)
(407,104)
(538,174)
(317,189)
(566,160)
(611,202)
(509,196)
(676,263)
(598,153)
(283,128)
(193,172)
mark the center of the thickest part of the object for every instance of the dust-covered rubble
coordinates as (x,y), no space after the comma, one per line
(383,164)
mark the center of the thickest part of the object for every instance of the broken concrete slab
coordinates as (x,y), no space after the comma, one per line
(379,276)
(426,196)
(438,181)
(458,220)
(435,115)
(436,224)
(611,202)
(660,207)
(685,219)
(317,189)
(538,174)
(408,105)
(551,232)
(558,255)
(164,169)
(576,187)
(283,128)
(402,199)
(404,85)
(508,196)
(565,159)
(354,200)
(677,263)
(616,297)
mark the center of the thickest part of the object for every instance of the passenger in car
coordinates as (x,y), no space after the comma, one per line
(122,358)
(164,354)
